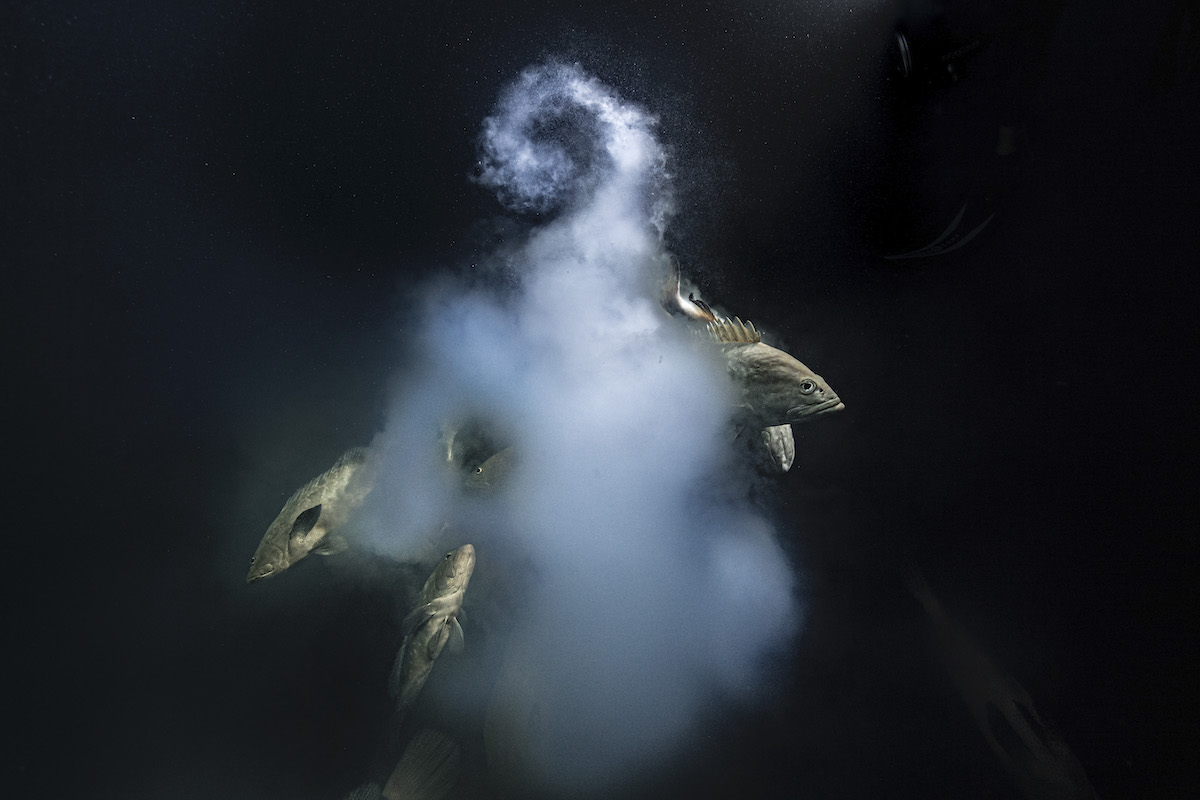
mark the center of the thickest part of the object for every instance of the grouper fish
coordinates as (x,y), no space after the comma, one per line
(312,516)
(775,387)
(432,623)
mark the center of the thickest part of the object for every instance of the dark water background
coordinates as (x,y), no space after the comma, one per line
(209,220)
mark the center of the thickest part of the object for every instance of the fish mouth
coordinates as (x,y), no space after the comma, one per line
(265,571)
(805,413)
(466,561)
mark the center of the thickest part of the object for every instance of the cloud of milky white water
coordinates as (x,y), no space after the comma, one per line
(647,582)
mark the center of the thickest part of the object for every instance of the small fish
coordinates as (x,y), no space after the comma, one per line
(676,304)
(492,472)
(310,518)
(776,387)
(1035,756)
(431,625)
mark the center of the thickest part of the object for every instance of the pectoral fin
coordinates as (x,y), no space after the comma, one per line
(437,642)
(457,642)
(331,546)
(416,618)
(396,677)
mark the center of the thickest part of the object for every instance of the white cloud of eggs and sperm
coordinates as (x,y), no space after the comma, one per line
(593,429)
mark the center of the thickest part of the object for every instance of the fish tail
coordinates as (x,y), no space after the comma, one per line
(368,791)
(427,770)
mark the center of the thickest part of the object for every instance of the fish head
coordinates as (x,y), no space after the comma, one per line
(481,477)
(809,395)
(269,559)
(466,440)
(454,570)
(778,387)
(290,538)
(491,472)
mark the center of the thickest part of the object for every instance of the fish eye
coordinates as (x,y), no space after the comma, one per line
(449,554)
(479,470)
(808,386)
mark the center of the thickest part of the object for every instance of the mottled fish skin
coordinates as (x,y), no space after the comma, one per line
(1036,757)
(432,623)
(310,518)
(776,387)
(492,473)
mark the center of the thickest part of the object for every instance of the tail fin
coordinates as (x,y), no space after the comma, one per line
(427,770)
(368,791)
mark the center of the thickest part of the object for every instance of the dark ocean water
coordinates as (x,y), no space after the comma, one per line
(214,219)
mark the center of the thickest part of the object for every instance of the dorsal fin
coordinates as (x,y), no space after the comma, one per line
(734,331)
(355,456)
(703,306)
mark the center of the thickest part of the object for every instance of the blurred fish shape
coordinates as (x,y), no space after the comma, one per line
(1033,754)
(467,442)
(431,625)
(310,519)
(493,472)
(776,388)
(427,770)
